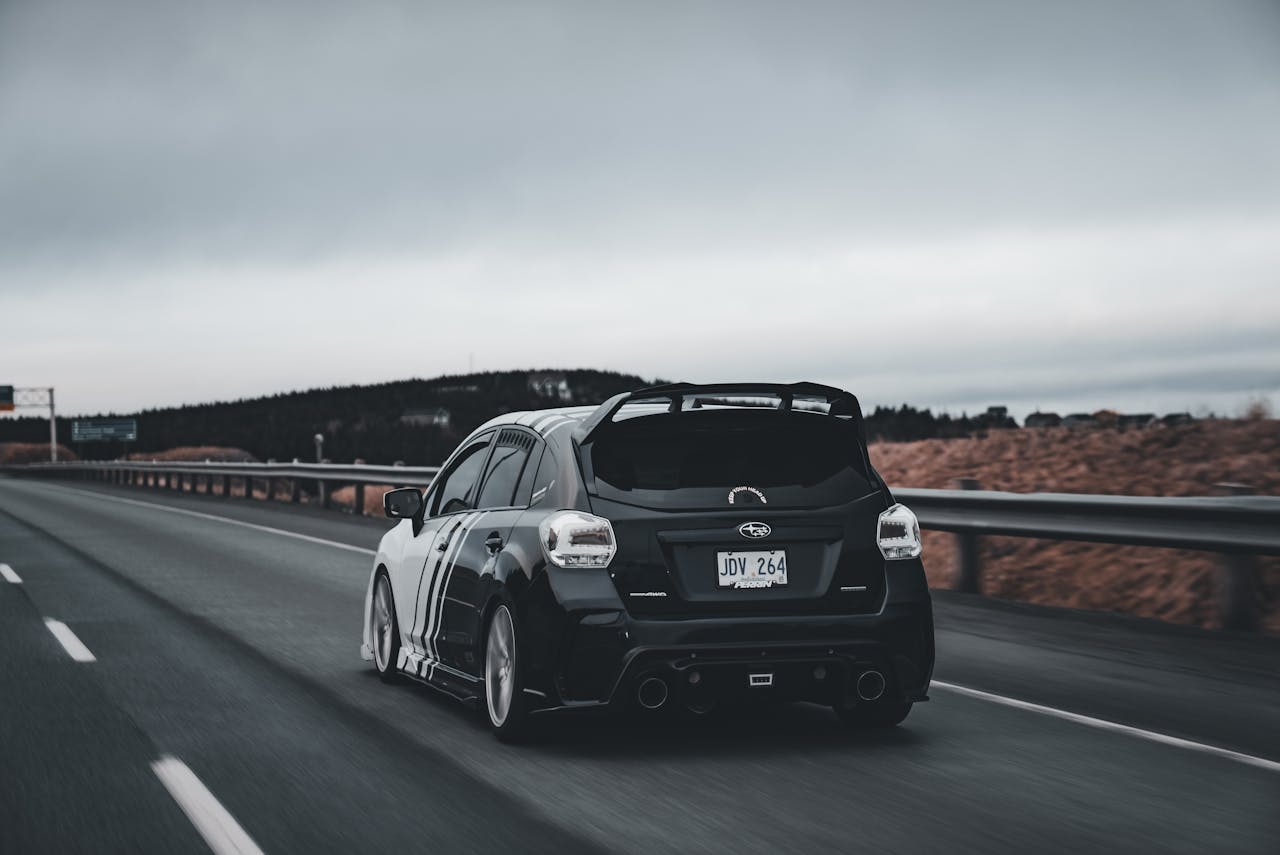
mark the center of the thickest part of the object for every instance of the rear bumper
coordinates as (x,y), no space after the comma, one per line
(819,658)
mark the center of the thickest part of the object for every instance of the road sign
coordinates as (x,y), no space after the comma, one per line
(101,430)
(6,399)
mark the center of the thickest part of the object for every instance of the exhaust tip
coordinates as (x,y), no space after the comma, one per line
(652,693)
(871,686)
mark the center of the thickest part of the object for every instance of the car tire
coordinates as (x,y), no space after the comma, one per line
(504,700)
(869,716)
(386,631)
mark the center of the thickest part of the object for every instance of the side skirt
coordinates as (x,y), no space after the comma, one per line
(437,675)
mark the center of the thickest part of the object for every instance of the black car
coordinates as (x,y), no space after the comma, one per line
(677,547)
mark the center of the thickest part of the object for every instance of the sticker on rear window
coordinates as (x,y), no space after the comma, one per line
(752,490)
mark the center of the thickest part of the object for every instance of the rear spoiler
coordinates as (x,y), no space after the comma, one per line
(842,403)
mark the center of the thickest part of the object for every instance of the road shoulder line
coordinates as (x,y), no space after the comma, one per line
(1115,727)
(229,520)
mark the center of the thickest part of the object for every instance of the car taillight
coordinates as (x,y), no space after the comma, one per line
(898,533)
(576,539)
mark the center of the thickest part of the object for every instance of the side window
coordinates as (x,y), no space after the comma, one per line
(525,487)
(545,478)
(458,483)
(505,468)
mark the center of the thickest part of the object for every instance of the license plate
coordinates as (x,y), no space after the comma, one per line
(751,569)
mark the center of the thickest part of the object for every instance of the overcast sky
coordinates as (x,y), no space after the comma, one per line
(1064,205)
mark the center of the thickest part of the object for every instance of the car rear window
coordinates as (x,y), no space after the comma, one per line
(697,458)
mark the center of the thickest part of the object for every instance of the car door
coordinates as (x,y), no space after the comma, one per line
(498,505)
(448,505)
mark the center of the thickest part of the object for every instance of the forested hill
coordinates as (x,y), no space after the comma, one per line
(380,423)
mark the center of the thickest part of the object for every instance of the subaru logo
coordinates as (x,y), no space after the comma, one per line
(754,530)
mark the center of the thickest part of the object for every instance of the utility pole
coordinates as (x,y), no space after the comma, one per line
(53,430)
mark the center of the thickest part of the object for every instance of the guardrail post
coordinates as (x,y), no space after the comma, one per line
(968,576)
(322,494)
(1237,589)
(358,507)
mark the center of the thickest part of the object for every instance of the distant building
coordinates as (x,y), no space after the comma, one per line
(1080,420)
(426,416)
(551,384)
(995,417)
(1134,420)
(1040,420)
(1177,419)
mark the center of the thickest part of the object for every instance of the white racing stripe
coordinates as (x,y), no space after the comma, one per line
(436,594)
(74,646)
(444,585)
(215,824)
(1115,727)
(9,576)
(228,520)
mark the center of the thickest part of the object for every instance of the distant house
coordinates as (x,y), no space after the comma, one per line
(426,416)
(1134,420)
(995,417)
(1177,419)
(551,384)
(1041,420)
(1080,420)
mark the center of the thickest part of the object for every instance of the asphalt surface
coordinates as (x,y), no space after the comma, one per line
(235,650)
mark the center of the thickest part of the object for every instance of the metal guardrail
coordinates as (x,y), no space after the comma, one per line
(1238,526)
(191,475)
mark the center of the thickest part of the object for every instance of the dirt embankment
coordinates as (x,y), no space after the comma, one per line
(1187,460)
(32,452)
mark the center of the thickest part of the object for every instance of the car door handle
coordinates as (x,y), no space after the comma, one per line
(493,542)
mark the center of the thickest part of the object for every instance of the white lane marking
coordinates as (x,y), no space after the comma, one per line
(74,646)
(1115,727)
(230,521)
(9,576)
(215,824)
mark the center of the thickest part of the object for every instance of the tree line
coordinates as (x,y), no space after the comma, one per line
(369,422)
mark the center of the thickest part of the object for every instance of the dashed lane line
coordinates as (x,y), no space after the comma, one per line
(74,646)
(9,576)
(214,822)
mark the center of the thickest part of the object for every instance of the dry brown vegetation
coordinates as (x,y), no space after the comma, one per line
(32,452)
(1187,460)
(197,453)
(345,497)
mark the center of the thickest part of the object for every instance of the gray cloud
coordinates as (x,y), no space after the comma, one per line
(894,196)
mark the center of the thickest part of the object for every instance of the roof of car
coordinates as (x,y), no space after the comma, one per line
(541,421)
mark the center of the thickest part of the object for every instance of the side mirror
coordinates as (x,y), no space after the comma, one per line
(403,504)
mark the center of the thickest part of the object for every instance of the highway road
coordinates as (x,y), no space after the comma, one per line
(182,673)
